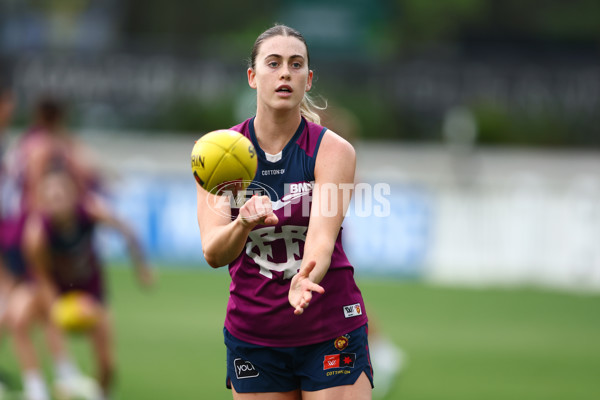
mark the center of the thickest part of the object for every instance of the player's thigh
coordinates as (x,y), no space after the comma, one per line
(23,306)
(7,280)
(293,395)
(360,390)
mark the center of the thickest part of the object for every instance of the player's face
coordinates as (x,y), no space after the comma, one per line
(58,195)
(281,75)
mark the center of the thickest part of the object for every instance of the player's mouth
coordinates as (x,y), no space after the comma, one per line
(284,90)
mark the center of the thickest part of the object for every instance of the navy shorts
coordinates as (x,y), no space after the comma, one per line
(339,361)
(14,261)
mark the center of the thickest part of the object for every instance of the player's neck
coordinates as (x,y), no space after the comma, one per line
(274,131)
(65,222)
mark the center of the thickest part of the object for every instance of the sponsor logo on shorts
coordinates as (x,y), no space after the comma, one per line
(342,360)
(353,310)
(244,369)
(341,343)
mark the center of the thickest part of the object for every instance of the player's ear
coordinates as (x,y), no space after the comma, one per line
(251,78)
(309,80)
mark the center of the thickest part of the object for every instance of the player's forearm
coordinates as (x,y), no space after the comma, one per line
(320,252)
(225,243)
(136,253)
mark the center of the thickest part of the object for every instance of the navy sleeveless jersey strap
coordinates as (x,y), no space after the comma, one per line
(313,159)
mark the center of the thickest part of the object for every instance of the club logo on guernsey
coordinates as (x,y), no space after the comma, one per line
(259,246)
(352,310)
(261,239)
(244,369)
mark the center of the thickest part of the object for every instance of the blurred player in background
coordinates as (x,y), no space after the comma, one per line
(6,111)
(46,146)
(34,151)
(58,240)
(279,255)
(7,281)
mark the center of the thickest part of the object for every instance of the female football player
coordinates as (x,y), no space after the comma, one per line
(296,326)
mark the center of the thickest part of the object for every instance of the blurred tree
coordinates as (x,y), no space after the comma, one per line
(190,26)
(421,23)
(526,69)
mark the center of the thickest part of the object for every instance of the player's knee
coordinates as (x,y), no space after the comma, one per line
(19,322)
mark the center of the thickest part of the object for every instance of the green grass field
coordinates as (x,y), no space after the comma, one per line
(460,343)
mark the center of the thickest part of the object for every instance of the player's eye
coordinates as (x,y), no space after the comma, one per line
(297,64)
(273,64)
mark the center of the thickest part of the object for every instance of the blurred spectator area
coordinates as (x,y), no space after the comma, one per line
(526,71)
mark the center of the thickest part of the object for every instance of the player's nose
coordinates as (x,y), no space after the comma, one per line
(285,72)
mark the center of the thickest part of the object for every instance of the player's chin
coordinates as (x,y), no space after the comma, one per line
(286,104)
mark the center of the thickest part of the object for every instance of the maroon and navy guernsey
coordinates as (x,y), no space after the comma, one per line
(258,310)
(74,262)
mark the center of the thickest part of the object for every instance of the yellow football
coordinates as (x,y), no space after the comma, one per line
(223,158)
(75,312)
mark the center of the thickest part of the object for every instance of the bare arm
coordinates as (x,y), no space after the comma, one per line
(36,250)
(222,239)
(334,178)
(38,154)
(96,207)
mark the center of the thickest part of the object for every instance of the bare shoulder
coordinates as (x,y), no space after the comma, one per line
(95,206)
(336,159)
(34,235)
(334,145)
